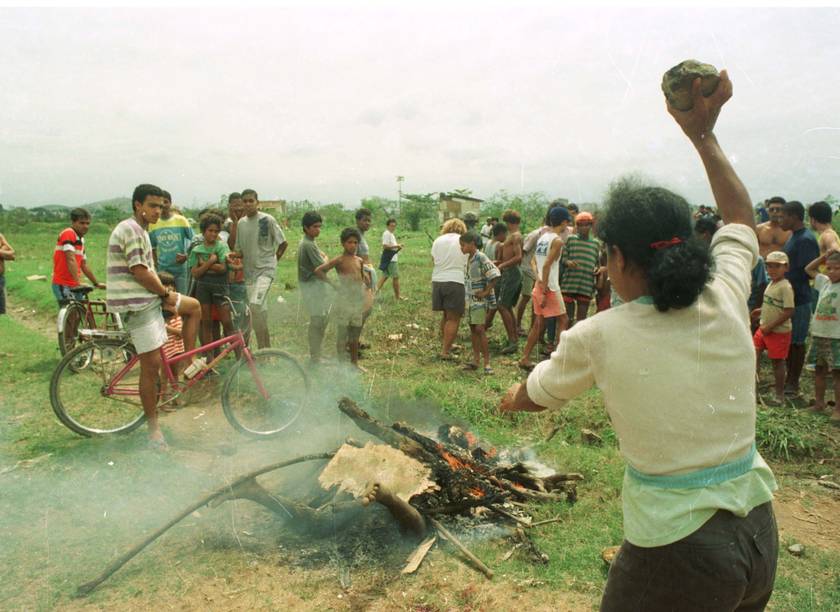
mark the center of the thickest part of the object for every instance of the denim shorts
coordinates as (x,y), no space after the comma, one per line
(801,320)
(64,293)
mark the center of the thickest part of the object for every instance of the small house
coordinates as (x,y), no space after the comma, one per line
(453,205)
(278,207)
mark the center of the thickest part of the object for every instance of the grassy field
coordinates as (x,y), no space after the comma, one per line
(70,505)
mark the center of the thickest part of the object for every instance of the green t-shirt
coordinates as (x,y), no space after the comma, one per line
(201,252)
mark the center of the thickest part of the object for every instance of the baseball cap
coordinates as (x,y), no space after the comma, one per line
(584,217)
(557,215)
(777,257)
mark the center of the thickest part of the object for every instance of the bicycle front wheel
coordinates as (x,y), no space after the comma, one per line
(95,388)
(264,397)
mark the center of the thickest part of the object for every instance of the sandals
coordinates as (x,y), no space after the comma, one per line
(450,358)
(488,370)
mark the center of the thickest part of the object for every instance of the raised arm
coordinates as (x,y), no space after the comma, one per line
(731,196)
(813,268)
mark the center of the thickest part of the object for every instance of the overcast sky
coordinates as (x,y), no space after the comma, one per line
(331,104)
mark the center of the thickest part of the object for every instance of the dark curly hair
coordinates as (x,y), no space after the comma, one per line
(638,215)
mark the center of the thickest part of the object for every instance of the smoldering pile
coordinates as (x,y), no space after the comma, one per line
(423,482)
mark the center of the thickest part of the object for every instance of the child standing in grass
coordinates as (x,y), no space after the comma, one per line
(480,275)
(824,355)
(580,265)
(174,345)
(774,329)
(208,264)
(350,296)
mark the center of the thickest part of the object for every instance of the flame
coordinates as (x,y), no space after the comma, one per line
(452,460)
(476,492)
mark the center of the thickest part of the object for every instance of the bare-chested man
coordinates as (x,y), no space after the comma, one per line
(820,214)
(509,255)
(771,236)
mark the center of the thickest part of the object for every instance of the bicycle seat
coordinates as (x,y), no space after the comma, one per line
(83,289)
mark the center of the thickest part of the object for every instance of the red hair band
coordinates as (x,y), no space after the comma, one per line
(664,244)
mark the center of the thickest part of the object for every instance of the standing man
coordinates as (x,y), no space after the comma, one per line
(364,219)
(260,242)
(819,216)
(170,237)
(7,253)
(236,279)
(771,235)
(135,292)
(313,284)
(390,251)
(509,256)
(801,249)
(70,259)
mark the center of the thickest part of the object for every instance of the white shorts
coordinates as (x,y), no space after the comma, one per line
(258,292)
(146,328)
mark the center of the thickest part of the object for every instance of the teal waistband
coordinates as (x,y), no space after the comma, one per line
(699,479)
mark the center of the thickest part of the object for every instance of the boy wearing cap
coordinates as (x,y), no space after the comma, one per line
(824,356)
(774,329)
(580,266)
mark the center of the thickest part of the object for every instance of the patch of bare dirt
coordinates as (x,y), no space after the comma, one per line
(32,319)
(811,518)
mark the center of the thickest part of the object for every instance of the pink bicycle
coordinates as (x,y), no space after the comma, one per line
(94,389)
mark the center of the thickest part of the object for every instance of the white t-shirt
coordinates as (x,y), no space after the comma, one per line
(528,245)
(541,252)
(449,260)
(826,322)
(486,230)
(388,239)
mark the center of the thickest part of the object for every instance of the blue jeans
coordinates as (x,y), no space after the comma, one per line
(801,321)
(63,293)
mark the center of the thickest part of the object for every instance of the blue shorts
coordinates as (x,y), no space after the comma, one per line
(63,293)
(801,322)
(182,278)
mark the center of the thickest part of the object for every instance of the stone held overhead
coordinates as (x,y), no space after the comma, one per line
(676,82)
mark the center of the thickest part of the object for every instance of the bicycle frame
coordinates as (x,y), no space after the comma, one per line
(234,341)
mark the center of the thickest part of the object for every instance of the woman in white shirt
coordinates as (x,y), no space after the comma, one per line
(676,367)
(448,282)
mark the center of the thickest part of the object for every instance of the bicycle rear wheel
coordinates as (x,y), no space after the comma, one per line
(286,388)
(70,319)
(82,393)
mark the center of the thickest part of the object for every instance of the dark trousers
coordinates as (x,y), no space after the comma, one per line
(728,564)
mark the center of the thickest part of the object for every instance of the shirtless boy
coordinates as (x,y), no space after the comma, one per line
(771,236)
(350,295)
(508,258)
(820,214)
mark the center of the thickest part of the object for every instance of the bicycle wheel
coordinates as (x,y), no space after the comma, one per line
(69,319)
(286,388)
(84,396)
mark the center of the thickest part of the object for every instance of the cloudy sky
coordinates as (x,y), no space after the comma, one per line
(331,103)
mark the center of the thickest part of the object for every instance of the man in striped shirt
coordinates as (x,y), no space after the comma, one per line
(580,261)
(135,291)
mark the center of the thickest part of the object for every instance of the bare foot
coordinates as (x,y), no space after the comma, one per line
(360,368)
(834,419)
(405,514)
(818,407)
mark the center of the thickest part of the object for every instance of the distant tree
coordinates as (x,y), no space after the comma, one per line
(417,207)
(531,206)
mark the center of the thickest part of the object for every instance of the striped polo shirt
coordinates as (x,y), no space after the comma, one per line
(581,279)
(128,246)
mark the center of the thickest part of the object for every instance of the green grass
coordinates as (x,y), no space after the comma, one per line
(55,534)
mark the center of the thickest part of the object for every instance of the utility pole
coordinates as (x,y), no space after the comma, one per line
(400,180)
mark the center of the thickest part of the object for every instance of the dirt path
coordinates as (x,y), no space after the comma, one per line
(32,319)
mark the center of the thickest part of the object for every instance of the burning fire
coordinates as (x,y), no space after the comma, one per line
(452,460)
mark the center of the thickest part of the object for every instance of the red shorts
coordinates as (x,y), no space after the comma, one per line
(554,306)
(776,343)
(215,313)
